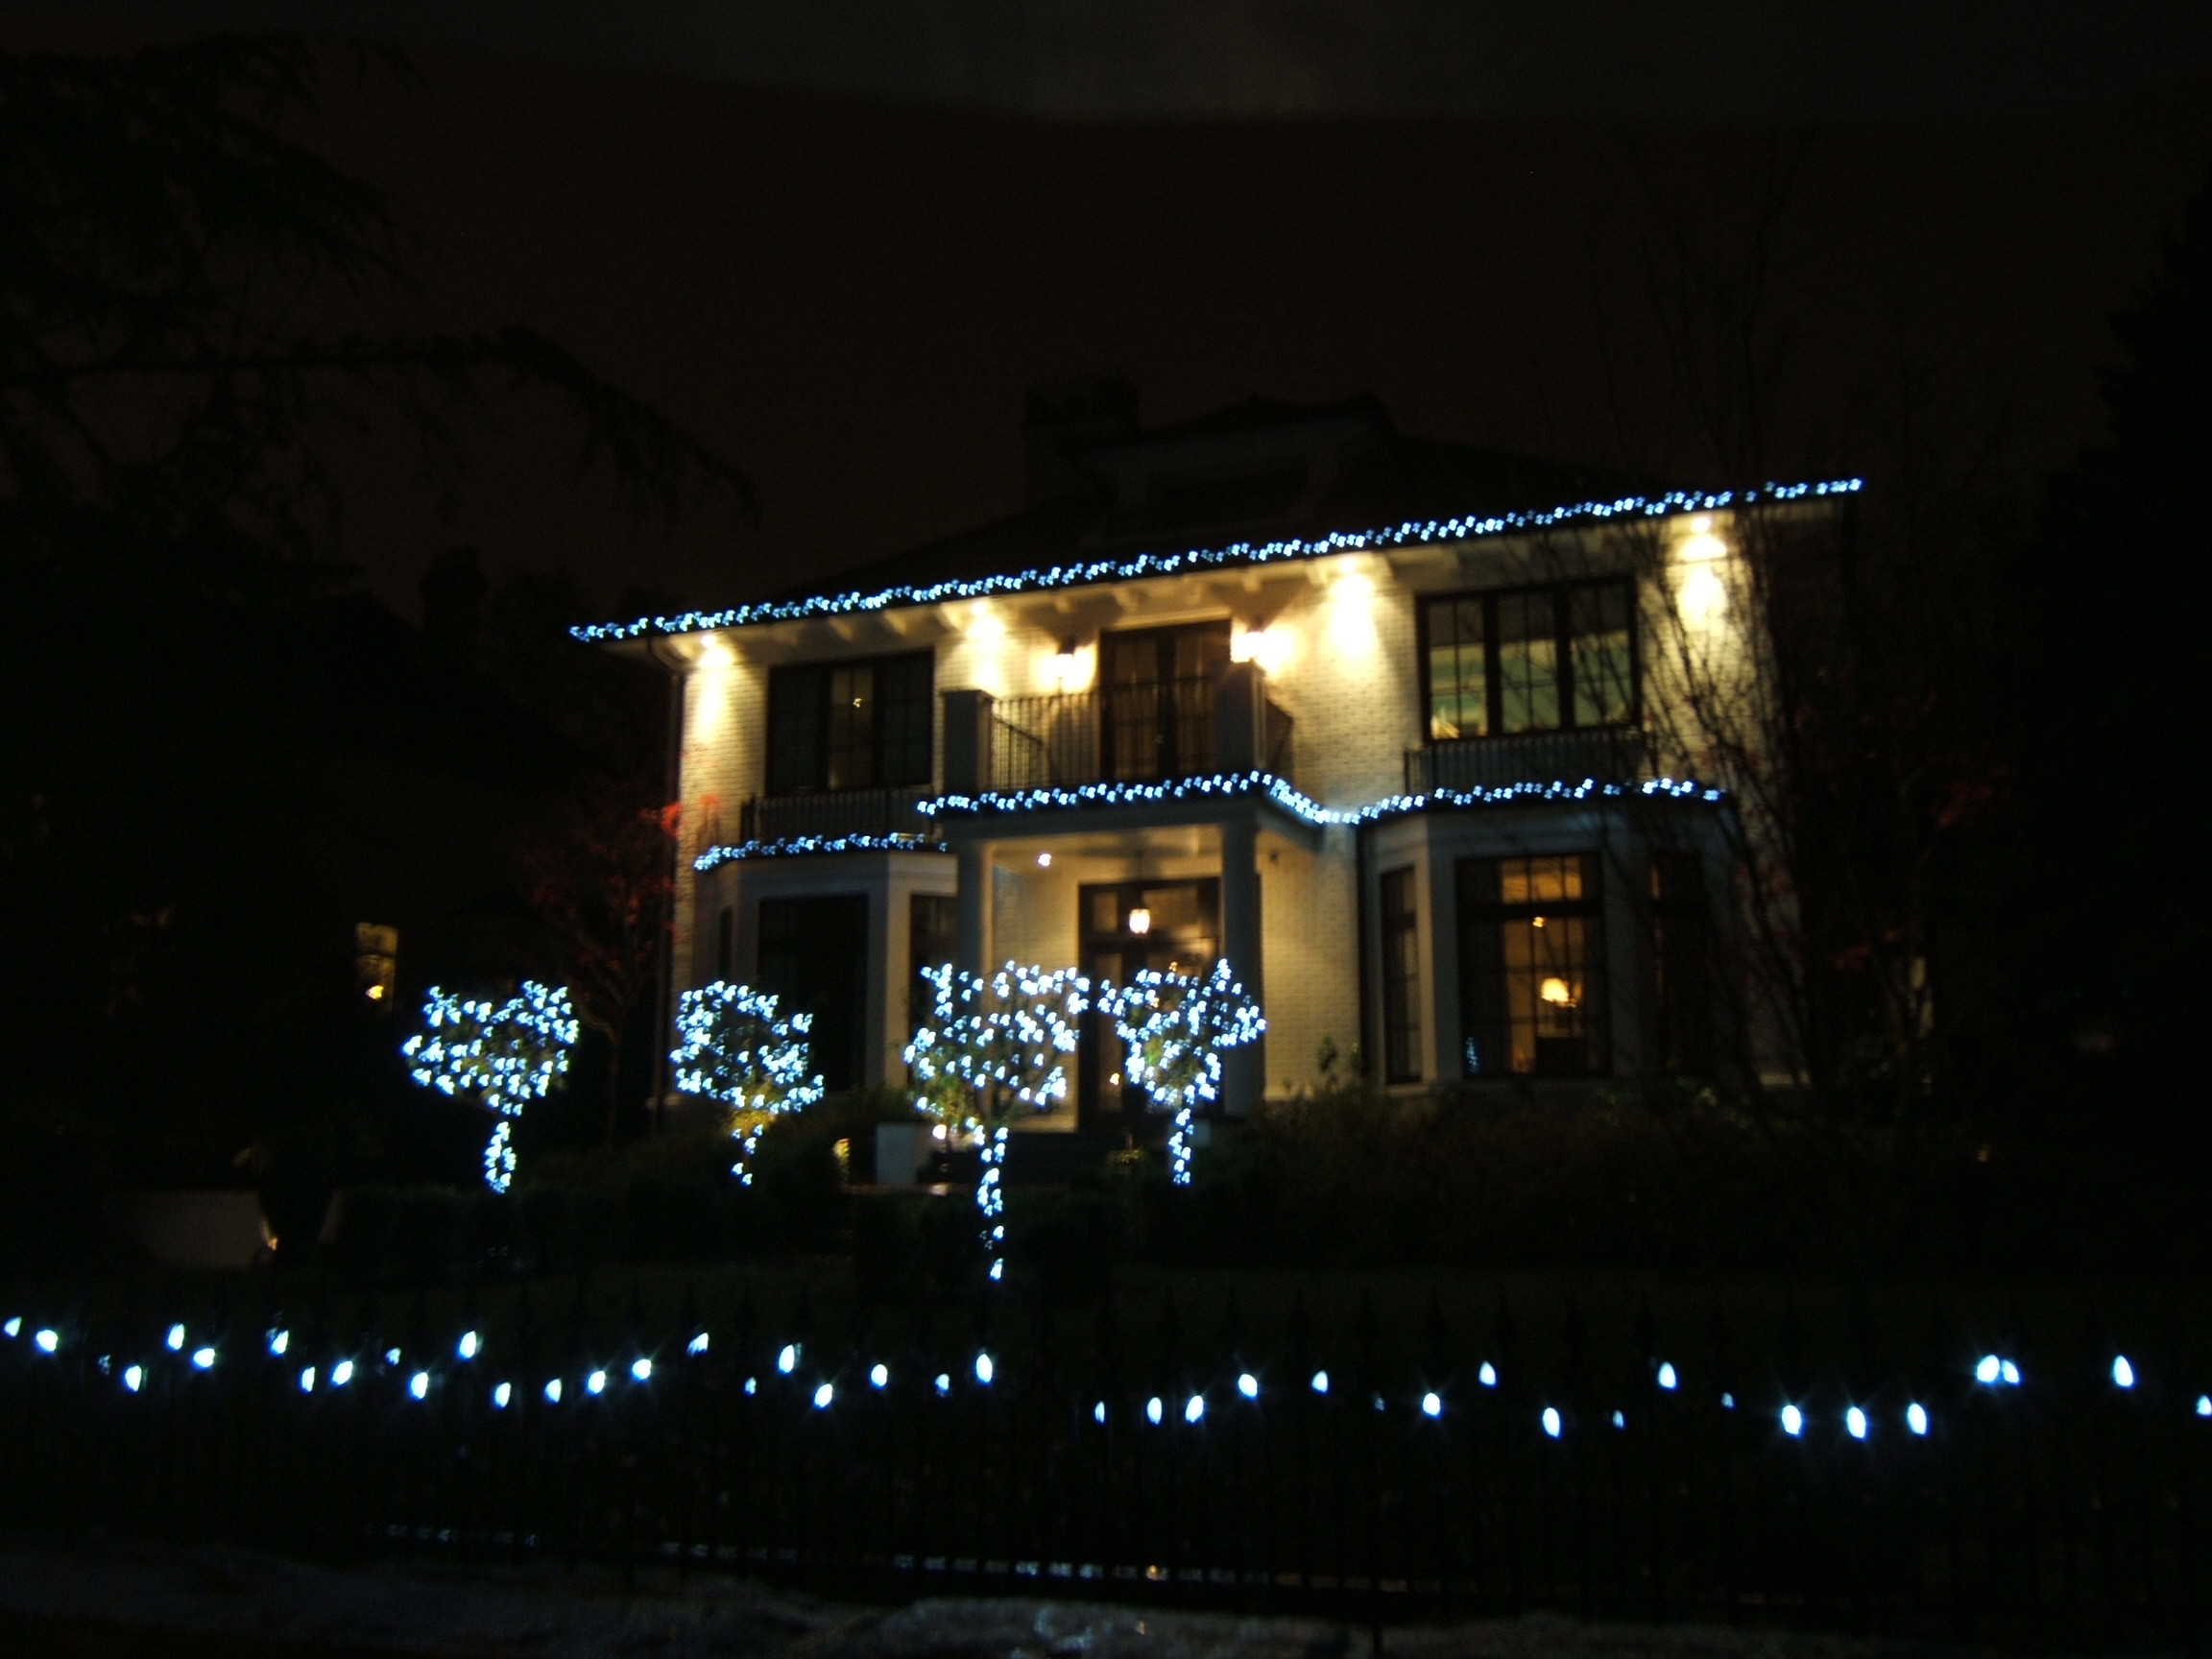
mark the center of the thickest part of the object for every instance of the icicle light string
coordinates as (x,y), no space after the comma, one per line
(1412,531)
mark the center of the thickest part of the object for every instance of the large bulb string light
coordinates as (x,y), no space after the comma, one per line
(506,1054)
(731,1050)
(1411,532)
(993,1049)
(1173,1027)
(1219,785)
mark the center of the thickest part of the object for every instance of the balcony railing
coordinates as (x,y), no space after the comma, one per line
(1613,754)
(832,812)
(1118,734)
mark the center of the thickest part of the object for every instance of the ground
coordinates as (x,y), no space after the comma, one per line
(114,1600)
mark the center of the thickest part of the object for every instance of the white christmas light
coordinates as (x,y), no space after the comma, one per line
(1411,532)
(1855,1424)
(640,1370)
(501,1394)
(943,1384)
(468,1344)
(1194,1409)
(2123,1373)
(1552,1423)
(1792,1421)
(1432,1404)
(1916,1418)
(823,1396)
(1153,1411)
(505,1054)
(553,1393)
(698,1344)
(307,1379)
(879,1376)
(341,1372)
(1667,1379)
(788,1361)
(47,1339)
(993,1049)
(203,1358)
(14,1327)
(418,1385)
(279,1341)
(1487,1376)
(1320,1384)
(983,1369)
(1173,1027)
(134,1378)
(1248,1386)
(595,1383)
(176,1338)
(731,1050)
(1099,1413)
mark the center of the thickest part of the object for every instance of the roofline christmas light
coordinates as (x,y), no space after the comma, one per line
(1410,533)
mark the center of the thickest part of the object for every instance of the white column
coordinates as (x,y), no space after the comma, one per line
(1244,1071)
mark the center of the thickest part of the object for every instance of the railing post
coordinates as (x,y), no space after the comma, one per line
(967,742)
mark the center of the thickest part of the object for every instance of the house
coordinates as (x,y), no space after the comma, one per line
(1406,729)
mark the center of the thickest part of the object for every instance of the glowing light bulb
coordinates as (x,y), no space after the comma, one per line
(1552,1424)
(788,1361)
(881,1376)
(1432,1404)
(1194,1409)
(47,1340)
(341,1372)
(176,1338)
(501,1394)
(279,1341)
(698,1344)
(203,1358)
(1248,1386)
(1855,1423)
(1916,1418)
(1320,1382)
(468,1345)
(418,1384)
(1666,1378)
(1792,1421)
(1141,921)
(134,1378)
(1487,1376)
(553,1393)
(823,1396)
(307,1379)
(1153,1411)
(1556,992)
(595,1383)
(1044,861)
(640,1370)
(2123,1373)
(983,1369)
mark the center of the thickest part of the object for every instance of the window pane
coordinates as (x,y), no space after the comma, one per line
(852,727)
(1531,966)
(794,729)
(1527,663)
(1602,662)
(1459,684)
(903,685)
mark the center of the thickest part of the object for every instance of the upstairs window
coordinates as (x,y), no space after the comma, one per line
(860,724)
(1544,659)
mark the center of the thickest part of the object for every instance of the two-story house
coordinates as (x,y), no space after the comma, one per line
(1392,724)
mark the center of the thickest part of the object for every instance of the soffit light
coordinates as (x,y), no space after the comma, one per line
(1412,531)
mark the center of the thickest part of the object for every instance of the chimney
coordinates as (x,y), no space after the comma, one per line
(1065,417)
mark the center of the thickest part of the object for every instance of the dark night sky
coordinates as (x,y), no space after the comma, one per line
(837,241)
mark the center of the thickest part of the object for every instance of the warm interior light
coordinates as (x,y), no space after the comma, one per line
(1044,861)
(1351,616)
(1554,990)
(375,993)
(1270,647)
(1139,920)
(1703,596)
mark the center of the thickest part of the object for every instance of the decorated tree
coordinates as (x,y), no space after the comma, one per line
(994,1050)
(505,1054)
(1174,1027)
(734,1051)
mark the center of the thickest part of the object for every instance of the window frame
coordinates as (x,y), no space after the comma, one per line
(1469,915)
(822,741)
(1561,591)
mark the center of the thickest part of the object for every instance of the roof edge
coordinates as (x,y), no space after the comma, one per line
(1236,554)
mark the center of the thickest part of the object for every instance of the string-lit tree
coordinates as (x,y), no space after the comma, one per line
(734,1051)
(994,1050)
(1173,1027)
(506,1054)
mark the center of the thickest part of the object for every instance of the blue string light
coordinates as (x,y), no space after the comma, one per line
(993,1049)
(1173,1027)
(1411,532)
(734,1051)
(507,1055)
(1224,785)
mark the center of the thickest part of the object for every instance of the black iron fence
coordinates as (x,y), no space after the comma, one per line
(1609,755)
(2055,1500)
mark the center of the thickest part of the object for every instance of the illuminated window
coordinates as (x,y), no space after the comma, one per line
(1157,687)
(850,725)
(377,962)
(1531,966)
(1400,980)
(1529,659)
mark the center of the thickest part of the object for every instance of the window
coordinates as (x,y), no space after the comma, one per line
(1682,986)
(1400,980)
(814,957)
(376,961)
(1531,660)
(1174,926)
(932,940)
(861,725)
(1157,687)
(725,957)
(1531,966)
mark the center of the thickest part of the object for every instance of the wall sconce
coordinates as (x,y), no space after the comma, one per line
(1139,920)
(1068,669)
(1268,647)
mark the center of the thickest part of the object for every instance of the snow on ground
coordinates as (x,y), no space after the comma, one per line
(548,1613)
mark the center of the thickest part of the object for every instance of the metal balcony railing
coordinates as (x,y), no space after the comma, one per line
(1123,734)
(1609,755)
(833,812)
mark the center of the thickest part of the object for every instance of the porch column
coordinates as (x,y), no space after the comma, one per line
(975,867)
(1244,1071)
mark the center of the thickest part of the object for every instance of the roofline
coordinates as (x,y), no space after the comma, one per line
(1236,554)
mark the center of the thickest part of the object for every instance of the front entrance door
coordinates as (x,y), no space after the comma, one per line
(1174,926)
(814,957)
(1156,703)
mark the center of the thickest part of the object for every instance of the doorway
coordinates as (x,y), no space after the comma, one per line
(814,957)
(1156,706)
(1173,927)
